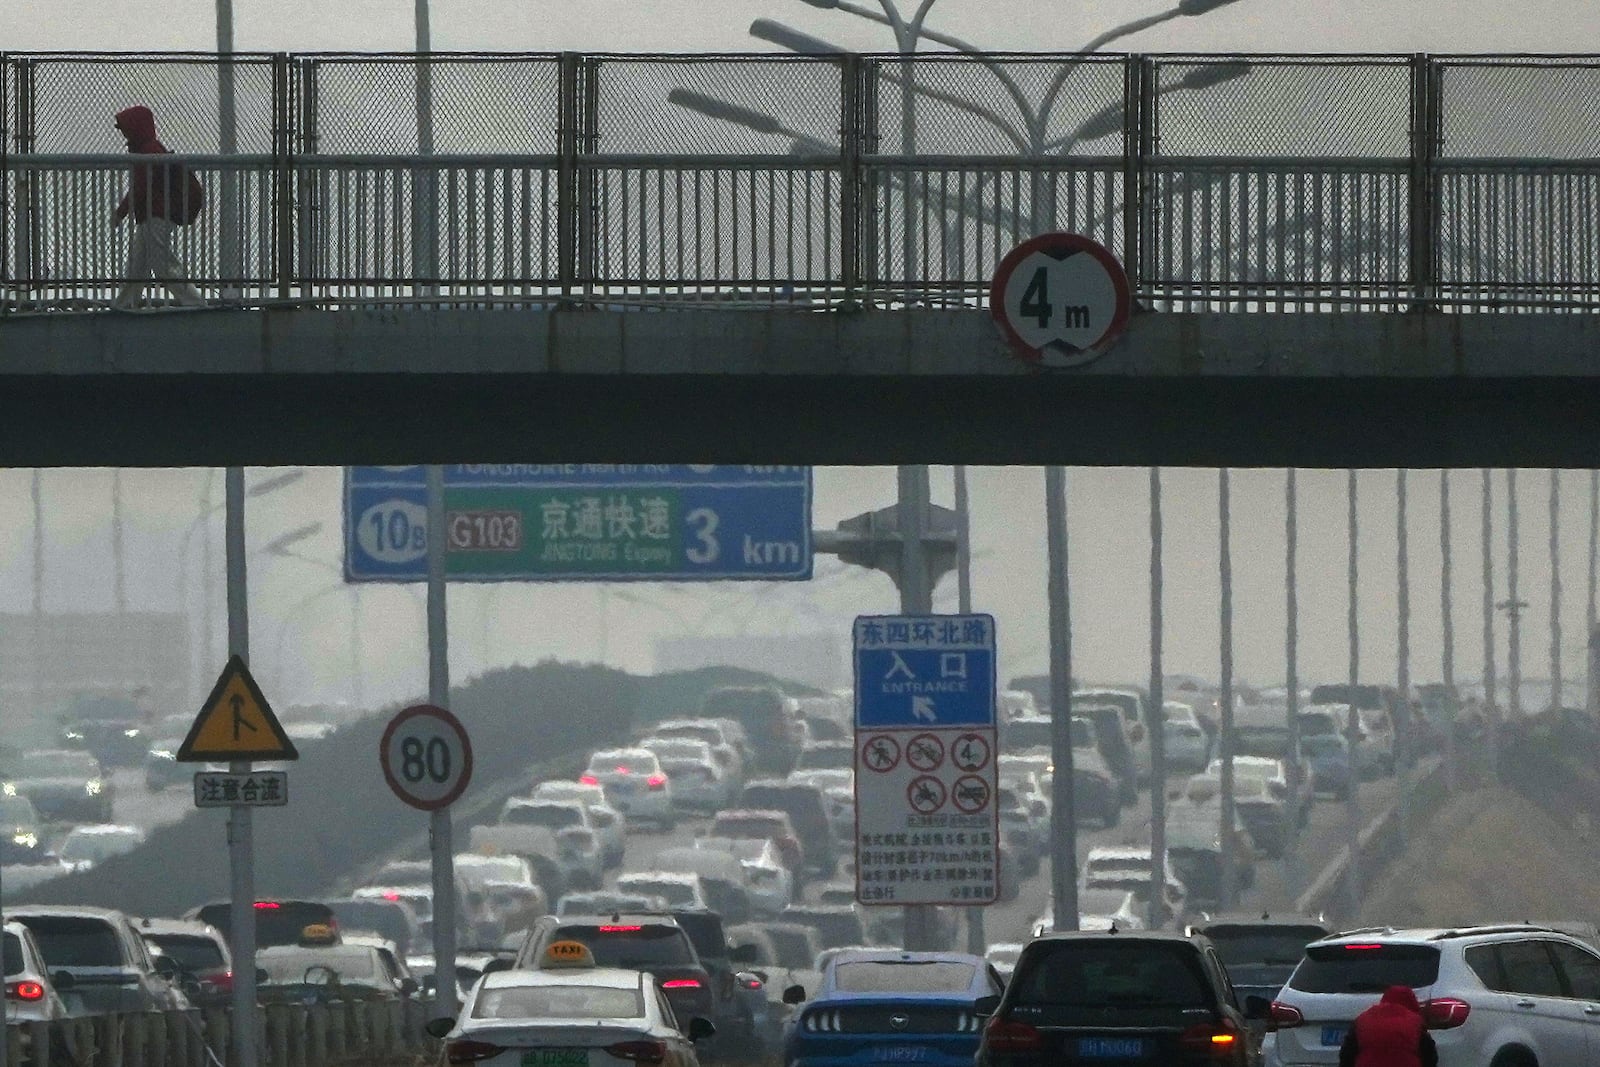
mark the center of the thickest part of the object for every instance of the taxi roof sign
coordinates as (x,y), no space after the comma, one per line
(236,723)
(566,954)
(319,934)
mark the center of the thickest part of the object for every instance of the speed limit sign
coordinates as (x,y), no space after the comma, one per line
(426,757)
(1059,299)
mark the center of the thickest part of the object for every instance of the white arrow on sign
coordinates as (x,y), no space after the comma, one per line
(922,708)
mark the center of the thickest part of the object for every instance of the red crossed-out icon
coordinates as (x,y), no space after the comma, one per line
(970,753)
(925,752)
(880,753)
(970,793)
(926,794)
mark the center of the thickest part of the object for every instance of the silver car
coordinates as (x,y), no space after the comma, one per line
(30,996)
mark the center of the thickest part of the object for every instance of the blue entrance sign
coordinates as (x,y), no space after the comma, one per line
(582,523)
(924,671)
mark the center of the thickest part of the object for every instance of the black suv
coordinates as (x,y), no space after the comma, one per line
(1089,998)
(634,942)
(807,813)
(1260,952)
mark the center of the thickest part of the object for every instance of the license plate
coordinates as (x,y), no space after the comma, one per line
(900,1054)
(556,1057)
(1110,1048)
(1334,1035)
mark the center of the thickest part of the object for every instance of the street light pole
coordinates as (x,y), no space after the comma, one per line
(241,850)
(1406,726)
(1352,873)
(1556,700)
(119,585)
(1491,706)
(1063,817)
(1158,716)
(1514,624)
(1225,806)
(1447,632)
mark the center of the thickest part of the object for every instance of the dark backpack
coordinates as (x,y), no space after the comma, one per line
(185,195)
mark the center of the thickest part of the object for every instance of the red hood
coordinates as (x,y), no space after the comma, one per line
(138,125)
(1401,996)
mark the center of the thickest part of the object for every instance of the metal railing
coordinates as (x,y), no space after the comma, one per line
(1309,184)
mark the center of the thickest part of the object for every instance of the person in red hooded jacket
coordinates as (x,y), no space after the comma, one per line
(154,199)
(1391,1033)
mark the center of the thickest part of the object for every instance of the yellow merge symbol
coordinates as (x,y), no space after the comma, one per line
(236,723)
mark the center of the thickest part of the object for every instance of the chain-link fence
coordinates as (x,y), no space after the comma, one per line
(1259,182)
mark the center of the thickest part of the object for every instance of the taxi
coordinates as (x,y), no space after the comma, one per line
(323,967)
(569,1013)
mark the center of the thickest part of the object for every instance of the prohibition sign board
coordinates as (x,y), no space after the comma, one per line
(881,753)
(970,793)
(426,757)
(925,752)
(1059,300)
(970,753)
(926,794)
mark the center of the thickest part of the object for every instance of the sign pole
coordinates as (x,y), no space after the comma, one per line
(977,937)
(1063,818)
(444,895)
(916,598)
(241,845)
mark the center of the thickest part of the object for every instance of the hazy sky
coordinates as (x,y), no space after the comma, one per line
(694,25)
(301,612)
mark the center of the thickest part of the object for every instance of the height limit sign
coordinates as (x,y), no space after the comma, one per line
(927,825)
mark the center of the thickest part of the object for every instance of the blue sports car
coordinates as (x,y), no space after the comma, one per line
(882,1006)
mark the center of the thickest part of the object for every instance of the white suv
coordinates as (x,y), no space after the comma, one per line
(1493,996)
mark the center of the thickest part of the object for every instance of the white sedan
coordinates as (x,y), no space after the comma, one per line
(634,783)
(571,1017)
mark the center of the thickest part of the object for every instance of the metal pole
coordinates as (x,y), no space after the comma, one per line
(227,144)
(241,848)
(1157,717)
(916,598)
(1447,630)
(424,189)
(1555,589)
(1592,701)
(1352,876)
(977,938)
(1225,806)
(208,642)
(1403,728)
(36,654)
(439,826)
(119,585)
(1491,707)
(1513,603)
(1291,659)
(1063,818)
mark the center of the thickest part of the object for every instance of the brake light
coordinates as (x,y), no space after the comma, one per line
(1212,1039)
(391,896)
(623,770)
(1445,1013)
(588,779)
(681,983)
(750,982)
(619,929)
(639,1051)
(25,991)
(1362,948)
(470,1051)
(221,983)
(267,905)
(1006,1035)
(656,781)
(1285,1016)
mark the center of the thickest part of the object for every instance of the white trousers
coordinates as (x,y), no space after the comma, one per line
(150,255)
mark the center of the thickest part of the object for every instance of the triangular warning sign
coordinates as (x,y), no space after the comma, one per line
(236,723)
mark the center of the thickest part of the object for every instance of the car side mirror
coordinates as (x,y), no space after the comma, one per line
(408,986)
(438,1027)
(986,1005)
(744,954)
(795,994)
(1257,1008)
(63,981)
(701,1029)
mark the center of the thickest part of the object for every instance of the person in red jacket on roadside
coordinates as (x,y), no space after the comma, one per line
(159,197)
(1391,1033)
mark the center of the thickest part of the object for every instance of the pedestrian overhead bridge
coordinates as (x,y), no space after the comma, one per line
(1335,260)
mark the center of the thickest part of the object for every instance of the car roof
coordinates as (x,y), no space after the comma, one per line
(600,977)
(188,927)
(75,911)
(1257,919)
(1123,935)
(617,918)
(683,877)
(1415,935)
(894,955)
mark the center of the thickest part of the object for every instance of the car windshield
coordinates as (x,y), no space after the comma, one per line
(903,976)
(558,1002)
(677,894)
(1365,968)
(1110,975)
(278,922)
(191,951)
(81,847)
(13,954)
(349,963)
(57,765)
(1274,945)
(631,946)
(630,761)
(549,816)
(70,941)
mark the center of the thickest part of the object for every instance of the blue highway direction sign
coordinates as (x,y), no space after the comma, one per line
(924,671)
(579,522)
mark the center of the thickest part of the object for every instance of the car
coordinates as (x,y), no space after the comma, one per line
(1125,997)
(201,954)
(1262,812)
(1099,792)
(1115,744)
(1099,909)
(1260,951)
(698,783)
(1186,746)
(31,997)
(634,783)
(768,883)
(723,879)
(97,959)
(764,825)
(1178,711)
(419,898)
(827,756)
(841,804)
(320,973)
(835,924)
(537,845)
(1129,868)
(737,1008)
(109,729)
(1131,703)
(1378,738)
(93,843)
(1316,720)
(575,811)
(1002,956)
(161,766)
(478,878)
(807,814)
(22,832)
(725,741)
(1491,996)
(393,959)
(581,868)
(679,890)
(394,919)
(574,1013)
(1327,760)
(600,901)
(64,785)
(605,820)
(907,1007)
(1015,704)
(770,720)
(639,941)
(1194,847)
(278,922)
(796,947)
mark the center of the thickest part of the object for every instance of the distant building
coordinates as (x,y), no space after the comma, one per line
(816,659)
(50,662)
